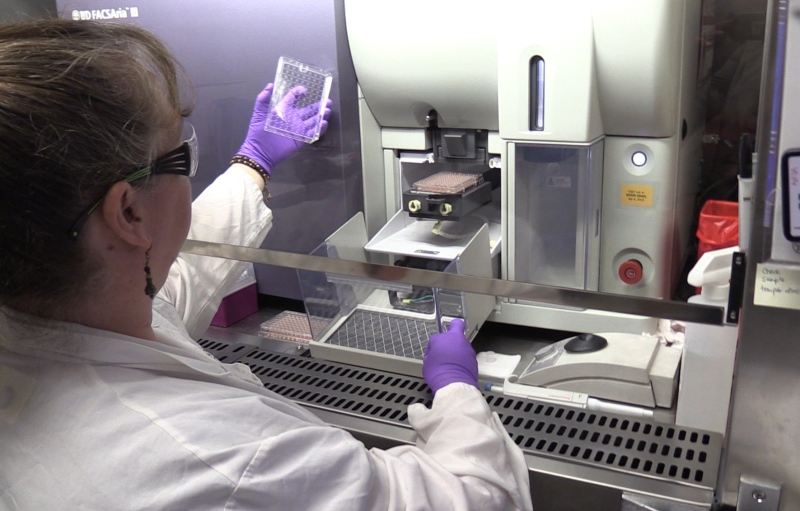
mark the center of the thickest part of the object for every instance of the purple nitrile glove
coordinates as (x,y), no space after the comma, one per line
(269,149)
(449,358)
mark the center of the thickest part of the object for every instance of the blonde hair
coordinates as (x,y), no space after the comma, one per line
(82,104)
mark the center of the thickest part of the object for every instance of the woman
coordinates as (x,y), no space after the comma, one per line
(106,402)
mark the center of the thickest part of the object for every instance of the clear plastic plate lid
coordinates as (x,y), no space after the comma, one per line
(298,100)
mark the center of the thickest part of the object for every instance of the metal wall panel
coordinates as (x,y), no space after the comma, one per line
(765,419)
(14,10)
(230,50)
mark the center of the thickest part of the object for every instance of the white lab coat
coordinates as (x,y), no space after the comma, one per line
(94,420)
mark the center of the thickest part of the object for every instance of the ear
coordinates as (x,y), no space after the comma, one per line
(122,213)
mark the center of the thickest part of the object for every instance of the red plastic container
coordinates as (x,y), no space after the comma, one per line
(718,226)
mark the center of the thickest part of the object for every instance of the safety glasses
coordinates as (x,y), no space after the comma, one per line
(181,161)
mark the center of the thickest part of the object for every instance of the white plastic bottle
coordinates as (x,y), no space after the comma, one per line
(710,350)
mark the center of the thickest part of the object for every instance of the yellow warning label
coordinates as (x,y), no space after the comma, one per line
(637,195)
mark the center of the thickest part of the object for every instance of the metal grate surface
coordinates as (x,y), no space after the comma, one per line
(384,333)
(339,387)
(612,442)
(224,351)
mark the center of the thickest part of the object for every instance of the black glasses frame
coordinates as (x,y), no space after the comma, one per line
(178,162)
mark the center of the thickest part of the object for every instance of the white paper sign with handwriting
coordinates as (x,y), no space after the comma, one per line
(777,286)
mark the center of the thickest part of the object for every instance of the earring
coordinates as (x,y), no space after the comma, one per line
(149,288)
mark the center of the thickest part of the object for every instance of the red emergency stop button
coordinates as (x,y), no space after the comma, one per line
(631,271)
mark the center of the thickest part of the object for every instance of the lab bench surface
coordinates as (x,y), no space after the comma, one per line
(573,453)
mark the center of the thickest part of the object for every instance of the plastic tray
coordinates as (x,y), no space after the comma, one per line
(289,326)
(299,119)
(447,182)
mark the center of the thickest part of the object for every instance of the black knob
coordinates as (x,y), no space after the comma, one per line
(585,343)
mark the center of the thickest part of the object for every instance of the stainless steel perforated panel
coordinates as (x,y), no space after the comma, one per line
(615,442)
(633,446)
(225,351)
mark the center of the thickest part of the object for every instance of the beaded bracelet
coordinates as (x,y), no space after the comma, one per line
(249,162)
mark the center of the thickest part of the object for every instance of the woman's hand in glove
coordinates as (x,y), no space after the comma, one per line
(449,358)
(269,149)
